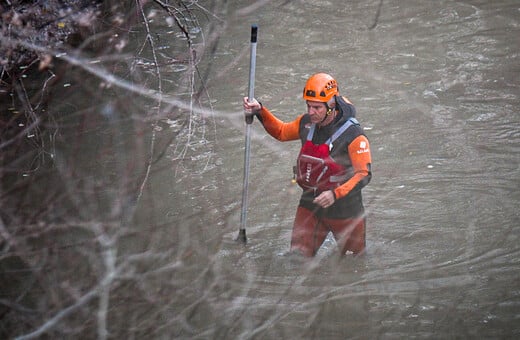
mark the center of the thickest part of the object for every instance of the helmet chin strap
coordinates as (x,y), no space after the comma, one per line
(327,114)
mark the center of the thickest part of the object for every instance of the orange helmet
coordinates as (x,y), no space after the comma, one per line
(320,87)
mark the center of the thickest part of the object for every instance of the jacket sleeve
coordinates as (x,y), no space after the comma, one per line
(359,153)
(277,128)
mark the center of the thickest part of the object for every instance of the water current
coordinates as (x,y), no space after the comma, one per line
(436,86)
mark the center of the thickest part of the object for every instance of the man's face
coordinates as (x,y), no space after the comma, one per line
(316,110)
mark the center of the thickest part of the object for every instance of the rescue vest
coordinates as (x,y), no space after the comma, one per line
(315,169)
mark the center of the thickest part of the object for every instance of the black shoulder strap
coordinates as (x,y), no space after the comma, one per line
(343,128)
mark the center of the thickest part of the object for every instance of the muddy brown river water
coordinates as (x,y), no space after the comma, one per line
(436,86)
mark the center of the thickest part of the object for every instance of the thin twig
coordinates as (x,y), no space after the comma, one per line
(154,124)
(378,12)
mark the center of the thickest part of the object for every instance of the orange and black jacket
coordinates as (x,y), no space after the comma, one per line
(351,150)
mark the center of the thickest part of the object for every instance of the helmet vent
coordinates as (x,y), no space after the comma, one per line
(330,85)
(310,93)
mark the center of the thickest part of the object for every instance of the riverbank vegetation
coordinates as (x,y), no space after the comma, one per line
(69,197)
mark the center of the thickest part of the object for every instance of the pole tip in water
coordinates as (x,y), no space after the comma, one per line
(242,238)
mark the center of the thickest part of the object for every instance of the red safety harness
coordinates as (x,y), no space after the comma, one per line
(316,170)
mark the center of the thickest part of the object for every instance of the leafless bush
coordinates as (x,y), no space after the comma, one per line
(74,257)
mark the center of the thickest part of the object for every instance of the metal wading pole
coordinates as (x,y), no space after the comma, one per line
(249,120)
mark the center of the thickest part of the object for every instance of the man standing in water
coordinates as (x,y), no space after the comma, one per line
(332,167)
